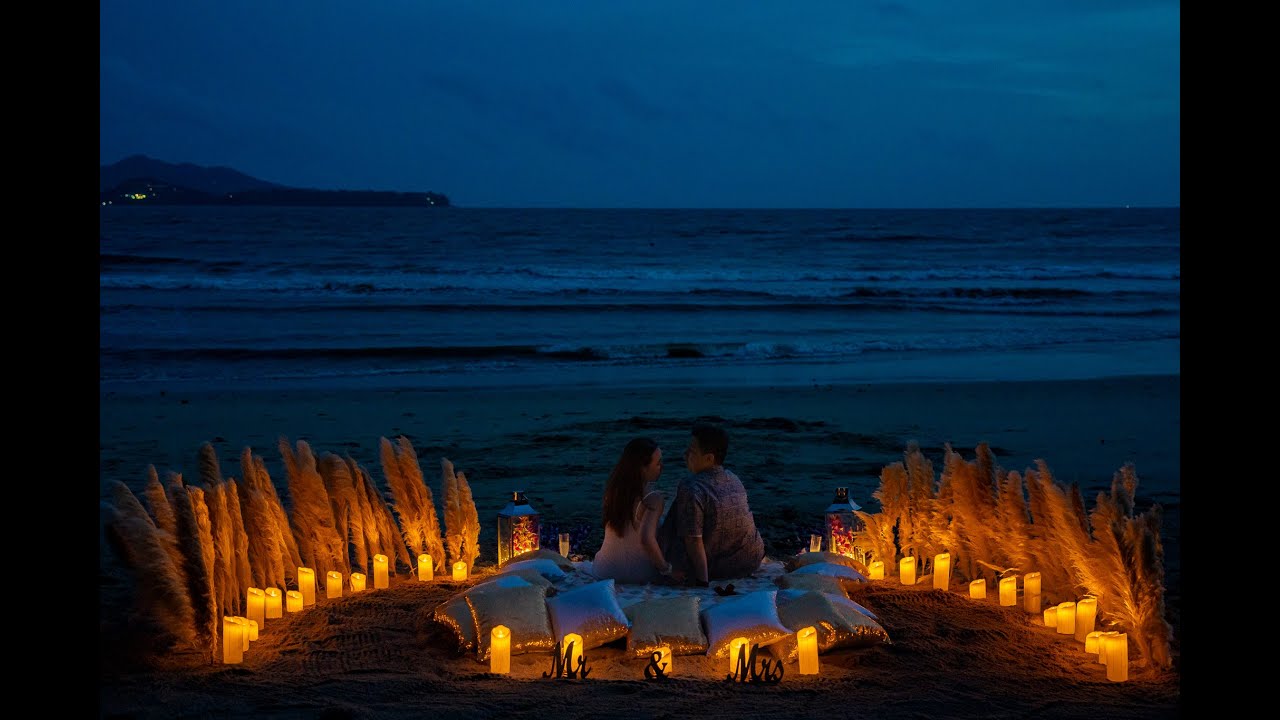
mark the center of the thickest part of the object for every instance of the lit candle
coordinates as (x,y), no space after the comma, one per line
(253,628)
(1092,641)
(293,601)
(1009,590)
(357,582)
(877,570)
(459,571)
(307,585)
(333,585)
(1102,646)
(978,589)
(564,544)
(1116,648)
(737,646)
(807,640)
(942,571)
(380,572)
(244,631)
(1067,618)
(1051,616)
(1086,612)
(500,650)
(576,639)
(907,570)
(815,543)
(426,568)
(256,606)
(1031,592)
(232,643)
(664,659)
(272,605)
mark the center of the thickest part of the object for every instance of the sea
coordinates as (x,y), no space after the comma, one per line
(355,298)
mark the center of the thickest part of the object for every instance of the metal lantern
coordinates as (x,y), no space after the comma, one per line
(841,525)
(517,528)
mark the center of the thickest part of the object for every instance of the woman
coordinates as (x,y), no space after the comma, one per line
(632,507)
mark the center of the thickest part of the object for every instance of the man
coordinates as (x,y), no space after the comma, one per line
(709,532)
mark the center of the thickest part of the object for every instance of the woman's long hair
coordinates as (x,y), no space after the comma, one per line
(625,484)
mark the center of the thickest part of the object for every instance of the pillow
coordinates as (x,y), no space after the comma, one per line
(544,554)
(523,609)
(847,575)
(546,568)
(837,598)
(838,625)
(455,614)
(591,611)
(821,583)
(753,616)
(529,575)
(672,621)
(808,558)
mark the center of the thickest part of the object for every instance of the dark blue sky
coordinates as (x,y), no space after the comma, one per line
(612,103)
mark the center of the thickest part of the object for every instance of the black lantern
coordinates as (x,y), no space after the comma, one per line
(841,525)
(517,528)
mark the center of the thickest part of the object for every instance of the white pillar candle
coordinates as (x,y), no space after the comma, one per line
(307,585)
(807,641)
(942,571)
(333,585)
(1067,618)
(381,575)
(357,582)
(1009,591)
(1031,593)
(232,642)
(978,589)
(907,570)
(244,632)
(737,646)
(426,568)
(1092,641)
(253,629)
(293,601)
(1086,612)
(664,659)
(255,607)
(564,544)
(815,543)
(1116,648)
(877,570)
(1051,616)
(273,605)
(576,639)
(500,650)
(459,571)
(1102,645)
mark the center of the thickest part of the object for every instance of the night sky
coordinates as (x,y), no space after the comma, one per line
(611,103)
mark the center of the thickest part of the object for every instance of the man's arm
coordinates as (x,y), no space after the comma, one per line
(697,558)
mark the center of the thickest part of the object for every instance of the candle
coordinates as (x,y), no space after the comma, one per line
(307,585)
(272,603)
(1102,646)
(1009,590)
(1092,641)
(815,543)
(1067,618)
(357,582)
(244,631)
(1051,616)
(907,570)
(664,659)
(737,646)
(1031,592)
(978,589)
(500,650)
(1116,648)
(459,571)
(807,640)
(253,628)
(1086,612)
(877,570)
(426,568)
(380,573)
(333,585)
(576,639)
(564,544)
(293,601)
(942,571)
(232,644)
(256,606)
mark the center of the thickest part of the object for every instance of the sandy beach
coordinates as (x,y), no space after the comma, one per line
(376,656)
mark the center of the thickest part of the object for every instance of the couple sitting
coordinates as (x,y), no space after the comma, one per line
(708,534)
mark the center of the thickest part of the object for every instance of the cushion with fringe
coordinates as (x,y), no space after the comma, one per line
(455,614)
(839,598)
(671,621)
(838,625)
(753,616)
(544,554)
(547,568)
(522,609)
(799,560)
(591,611)
(821,583)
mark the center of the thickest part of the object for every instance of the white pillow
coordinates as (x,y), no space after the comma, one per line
(831,569)
(836,599)
(753,616)
(591,611)
(546,568)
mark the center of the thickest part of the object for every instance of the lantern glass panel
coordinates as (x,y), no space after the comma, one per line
(518,528)
(841,525)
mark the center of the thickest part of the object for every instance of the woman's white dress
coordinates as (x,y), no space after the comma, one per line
(623,558)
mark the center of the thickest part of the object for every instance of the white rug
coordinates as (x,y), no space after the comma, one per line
(763,579)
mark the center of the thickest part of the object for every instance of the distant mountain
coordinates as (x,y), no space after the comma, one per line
(140,180)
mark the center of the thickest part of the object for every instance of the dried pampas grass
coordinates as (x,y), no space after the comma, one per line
(322,548)
(195,537)
(414,503)
(470,522)
(346,510)
(239,542)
